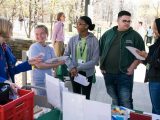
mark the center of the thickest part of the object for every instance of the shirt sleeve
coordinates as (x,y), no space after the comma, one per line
(2,79)
(22,67)
(33,51)
(67,52)
(94,59)
(57,27)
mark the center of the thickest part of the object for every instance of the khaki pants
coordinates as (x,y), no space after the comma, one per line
(58,48)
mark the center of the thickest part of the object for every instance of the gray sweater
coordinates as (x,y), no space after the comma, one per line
(92,54)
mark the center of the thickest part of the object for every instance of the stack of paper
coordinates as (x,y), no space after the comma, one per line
(52,60)
(73,106)
(76,107)
(94,110)
(54,90)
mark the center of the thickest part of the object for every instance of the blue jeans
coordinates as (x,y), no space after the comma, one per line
(119,87)
(154,89)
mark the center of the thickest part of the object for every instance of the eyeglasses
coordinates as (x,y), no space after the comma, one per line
(79,24)
(126,21)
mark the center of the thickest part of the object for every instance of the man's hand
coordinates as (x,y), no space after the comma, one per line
(133,66)
(130,71)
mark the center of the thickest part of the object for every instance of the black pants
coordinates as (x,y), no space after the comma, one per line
(80,89)
(149,40)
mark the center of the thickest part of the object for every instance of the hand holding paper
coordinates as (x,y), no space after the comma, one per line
(81,80)
(52,60)
(135,53)
(142,53)
(74,72)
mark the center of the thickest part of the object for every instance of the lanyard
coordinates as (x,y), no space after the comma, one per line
(82,48)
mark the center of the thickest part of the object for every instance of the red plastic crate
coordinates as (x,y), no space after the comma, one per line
(137,116)
(20,108)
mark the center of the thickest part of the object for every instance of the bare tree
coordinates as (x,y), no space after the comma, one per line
(52,14)
(110,12)
(121,6)
(31,15)
(156,6)
(5,7)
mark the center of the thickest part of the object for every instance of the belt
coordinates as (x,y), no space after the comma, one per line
(58,41)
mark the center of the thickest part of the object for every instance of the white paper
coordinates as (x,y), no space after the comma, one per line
(81,80)
(133,51)
(154,116)
(52,60)
(62,87)
(53,91)
(76,107)
(94,110)
(73,106)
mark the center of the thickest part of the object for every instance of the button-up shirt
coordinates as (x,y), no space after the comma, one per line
(58,32)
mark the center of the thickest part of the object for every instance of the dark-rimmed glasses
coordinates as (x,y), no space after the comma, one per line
(79,24)
(126,21)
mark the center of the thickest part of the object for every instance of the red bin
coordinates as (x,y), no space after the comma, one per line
(20,108)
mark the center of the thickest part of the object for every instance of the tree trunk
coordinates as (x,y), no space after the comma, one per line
(70,27)
(30,18)
(51,21)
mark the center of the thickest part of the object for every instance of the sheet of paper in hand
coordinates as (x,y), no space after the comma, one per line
(52,60)
(81,80)
(133,51)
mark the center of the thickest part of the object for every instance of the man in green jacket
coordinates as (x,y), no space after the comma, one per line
(117,64)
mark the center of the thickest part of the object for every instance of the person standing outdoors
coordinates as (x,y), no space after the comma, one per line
(58,35)
(42,68)
(149,35)
(7,59)
(141,29)
(117,64)
(152,61)
(83,52)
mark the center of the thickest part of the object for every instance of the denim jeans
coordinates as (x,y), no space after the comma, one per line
(154,89)
(119,87)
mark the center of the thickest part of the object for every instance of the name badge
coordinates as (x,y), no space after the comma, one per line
(80,61)
(147,66)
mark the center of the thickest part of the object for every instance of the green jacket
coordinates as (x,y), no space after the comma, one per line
(129,38)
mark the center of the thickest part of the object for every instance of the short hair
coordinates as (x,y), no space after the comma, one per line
(123,12)
(59,15)
(42,27)
(5,27)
